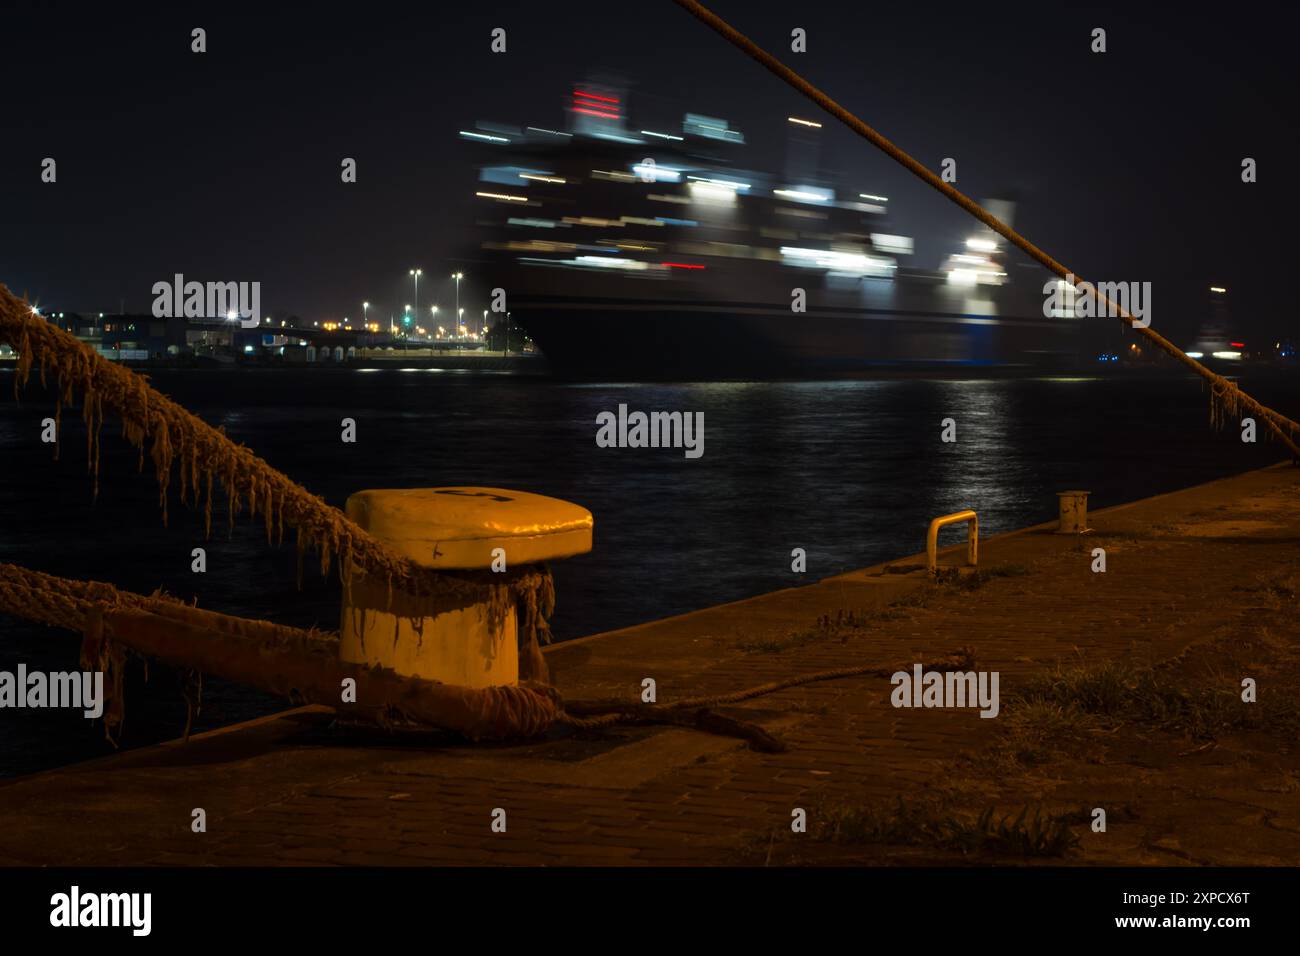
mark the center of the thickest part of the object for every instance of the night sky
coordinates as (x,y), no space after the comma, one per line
(225,165)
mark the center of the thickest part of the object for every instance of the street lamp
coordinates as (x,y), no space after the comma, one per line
(458,276)
(365,310)
(415,274)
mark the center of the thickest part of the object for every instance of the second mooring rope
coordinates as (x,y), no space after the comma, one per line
(70,604)
(1225,397)
(697,711)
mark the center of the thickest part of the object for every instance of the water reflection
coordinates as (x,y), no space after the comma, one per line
(850,471)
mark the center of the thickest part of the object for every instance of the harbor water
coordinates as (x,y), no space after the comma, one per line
(849,471)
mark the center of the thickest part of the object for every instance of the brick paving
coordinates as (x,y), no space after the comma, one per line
(1185,571)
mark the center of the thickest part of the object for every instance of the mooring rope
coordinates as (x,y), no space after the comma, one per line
(304,665)
(1227,398)
(697,711)
(204,452)
(527,710)
(55,601)
(70,604)
(962,659)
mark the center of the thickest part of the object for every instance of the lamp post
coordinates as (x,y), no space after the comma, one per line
(415,275)
(458,276)
(434,312)
(365,314)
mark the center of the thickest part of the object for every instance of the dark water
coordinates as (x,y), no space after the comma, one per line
(850,471)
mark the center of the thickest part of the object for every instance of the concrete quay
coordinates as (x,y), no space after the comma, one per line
(1119,690)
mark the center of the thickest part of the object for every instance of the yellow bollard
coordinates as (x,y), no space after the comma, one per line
(1074,512)
(463,528)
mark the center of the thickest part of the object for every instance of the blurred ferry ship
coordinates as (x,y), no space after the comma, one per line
(646,253)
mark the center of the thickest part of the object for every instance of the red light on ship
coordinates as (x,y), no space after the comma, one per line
(593,96)
(593,104)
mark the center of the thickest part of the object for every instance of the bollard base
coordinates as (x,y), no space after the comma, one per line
(435,641)
(477,533)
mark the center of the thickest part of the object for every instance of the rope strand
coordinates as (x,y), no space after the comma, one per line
(176,434)
(1281,426)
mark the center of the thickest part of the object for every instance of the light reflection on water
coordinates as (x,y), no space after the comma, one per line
(850,471)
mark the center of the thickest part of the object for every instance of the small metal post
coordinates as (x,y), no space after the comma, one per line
(1074,512)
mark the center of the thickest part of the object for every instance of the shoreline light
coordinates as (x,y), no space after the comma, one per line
(725,183)
(484,136)
(503,196)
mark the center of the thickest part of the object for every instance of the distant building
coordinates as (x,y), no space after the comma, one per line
(87,328)
(137,336)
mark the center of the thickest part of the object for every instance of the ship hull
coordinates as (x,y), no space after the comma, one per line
(621,338)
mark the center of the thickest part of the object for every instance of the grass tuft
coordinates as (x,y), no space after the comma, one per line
(841,624)
(1115,692)
(1036,834)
